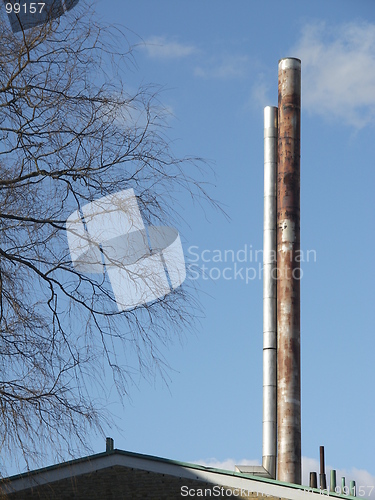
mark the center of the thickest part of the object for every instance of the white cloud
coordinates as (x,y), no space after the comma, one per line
(338,71)
(362,477)
(159,47)
(309,465)
(225,66)
(135,114)
(260,92)
(229,66)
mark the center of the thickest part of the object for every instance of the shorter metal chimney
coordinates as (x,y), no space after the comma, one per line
(269,293)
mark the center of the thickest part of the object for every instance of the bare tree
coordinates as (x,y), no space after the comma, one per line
(71,134)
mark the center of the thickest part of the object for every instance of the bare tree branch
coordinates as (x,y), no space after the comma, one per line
(70,133)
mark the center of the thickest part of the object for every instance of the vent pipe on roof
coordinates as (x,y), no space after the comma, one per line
(343,487)
(322,475)
(269,293)
(288,273)
(109,444)
(333,482)
(313,482)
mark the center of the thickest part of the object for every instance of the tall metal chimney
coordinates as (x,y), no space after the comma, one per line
(288,282)
(269,293)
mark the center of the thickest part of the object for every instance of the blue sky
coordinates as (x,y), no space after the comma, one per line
(217,65)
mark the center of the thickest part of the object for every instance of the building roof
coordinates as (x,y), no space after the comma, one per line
(192,474)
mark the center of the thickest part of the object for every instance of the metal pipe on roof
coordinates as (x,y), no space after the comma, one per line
(288,269)
(322,475)
(343,486)
(109,444)
(333,482)
(313,482)
(322,461)
(269,293)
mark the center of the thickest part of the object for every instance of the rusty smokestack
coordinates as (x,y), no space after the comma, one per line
(288,271)
(269,293)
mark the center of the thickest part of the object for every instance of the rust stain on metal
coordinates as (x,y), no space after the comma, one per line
(288,283)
